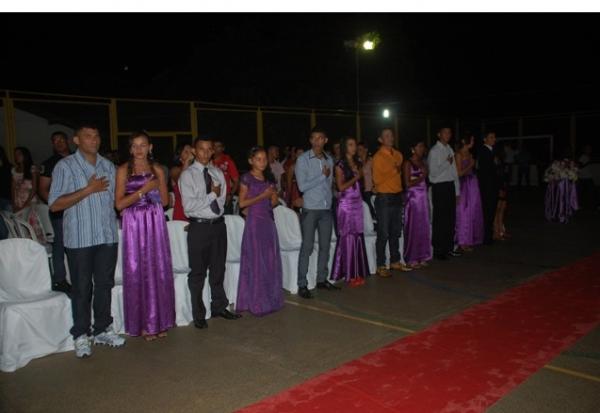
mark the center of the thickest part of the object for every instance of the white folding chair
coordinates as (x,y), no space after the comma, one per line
(34,320)
(370,238)
(42,211)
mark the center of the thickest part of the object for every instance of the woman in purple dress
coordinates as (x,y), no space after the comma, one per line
(469,213)
(260,284)
(148,290)
(417,229)
(350,262)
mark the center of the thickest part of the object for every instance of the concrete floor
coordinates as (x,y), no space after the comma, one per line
(232,364)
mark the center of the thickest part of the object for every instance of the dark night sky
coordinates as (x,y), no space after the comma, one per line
(457,64)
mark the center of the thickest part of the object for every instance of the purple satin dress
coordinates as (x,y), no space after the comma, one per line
(260,288)
(350,253)
(561,201)
(417,229)
(148,290)
(469,213)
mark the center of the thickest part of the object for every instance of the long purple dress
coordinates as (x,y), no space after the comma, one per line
(260,288)
(469,213)
(350,253)
(417,229)
(148,290)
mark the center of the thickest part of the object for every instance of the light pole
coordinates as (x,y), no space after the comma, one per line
(366,42)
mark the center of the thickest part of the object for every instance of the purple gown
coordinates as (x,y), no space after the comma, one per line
(148,290)
(469,213)
(350,253)
(417,229)
(260,288)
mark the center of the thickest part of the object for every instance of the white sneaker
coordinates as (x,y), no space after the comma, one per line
(83,346)
(109,338)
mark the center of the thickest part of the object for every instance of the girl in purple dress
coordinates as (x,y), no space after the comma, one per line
(350,262)
(148,290)
(260,284)
(469,213)
(417,230)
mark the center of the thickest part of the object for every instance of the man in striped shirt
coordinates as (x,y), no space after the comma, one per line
(83,187)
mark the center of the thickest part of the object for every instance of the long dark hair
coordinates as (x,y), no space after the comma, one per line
(27,161)
(348,174)
(267,172)
(4,159)
(133,136)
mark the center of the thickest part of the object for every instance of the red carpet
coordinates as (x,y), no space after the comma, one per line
(464,363)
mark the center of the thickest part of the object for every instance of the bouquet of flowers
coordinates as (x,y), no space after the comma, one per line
(561,169)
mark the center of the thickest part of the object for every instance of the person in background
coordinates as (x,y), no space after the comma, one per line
(293,197)
(275,166)
(25,183)
(417,234)
(313,172)
(502,184)
(83,187)
(148,290)
(367,173)
(5,182)
(469,214)
(203,192)
(350,262)
(224,162)
(445,192)
(337,151)
(487,174)
(585,180)
(387,178)
(260,281)
(60,147)
(183,159)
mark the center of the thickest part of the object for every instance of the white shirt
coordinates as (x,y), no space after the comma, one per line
(440,170)
(277,170)
(196,202)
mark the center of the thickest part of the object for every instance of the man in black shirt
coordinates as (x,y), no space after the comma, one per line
(61,149)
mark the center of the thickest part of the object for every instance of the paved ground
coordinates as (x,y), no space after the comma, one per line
(232,364)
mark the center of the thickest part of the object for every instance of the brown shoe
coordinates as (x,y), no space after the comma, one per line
(400,267)
(383,272)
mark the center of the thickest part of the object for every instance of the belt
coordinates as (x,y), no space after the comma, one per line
(207,220)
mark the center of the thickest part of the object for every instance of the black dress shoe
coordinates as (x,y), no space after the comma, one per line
(304,292)
(62,286)
(457,253)
(441,257)
(228,315)
(201,324)
(326,285)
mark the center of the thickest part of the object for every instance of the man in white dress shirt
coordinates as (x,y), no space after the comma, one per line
(445,190)
(203,193)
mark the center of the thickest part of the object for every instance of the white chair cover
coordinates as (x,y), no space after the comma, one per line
(34,321)
(370,238)
(178,242)
(290,240)
(169,214)
(42,211)
(235,232)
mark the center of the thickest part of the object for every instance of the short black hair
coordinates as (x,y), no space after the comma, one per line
(202,139)
(386,128)
(58,133)
(318,129)
(82,126)
(444,127)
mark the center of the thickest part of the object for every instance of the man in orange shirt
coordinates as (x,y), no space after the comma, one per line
(387,181)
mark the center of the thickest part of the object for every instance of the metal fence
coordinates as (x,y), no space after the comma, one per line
(171,122)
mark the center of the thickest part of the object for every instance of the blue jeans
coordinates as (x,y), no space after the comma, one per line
(388,208)
(59,272)
(311,220)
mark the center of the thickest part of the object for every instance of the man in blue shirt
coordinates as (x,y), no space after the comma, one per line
(83,186)
(314,171)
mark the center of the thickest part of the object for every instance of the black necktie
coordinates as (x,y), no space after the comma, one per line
(214,206)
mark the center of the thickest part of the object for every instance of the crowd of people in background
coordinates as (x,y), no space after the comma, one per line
(442,201)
